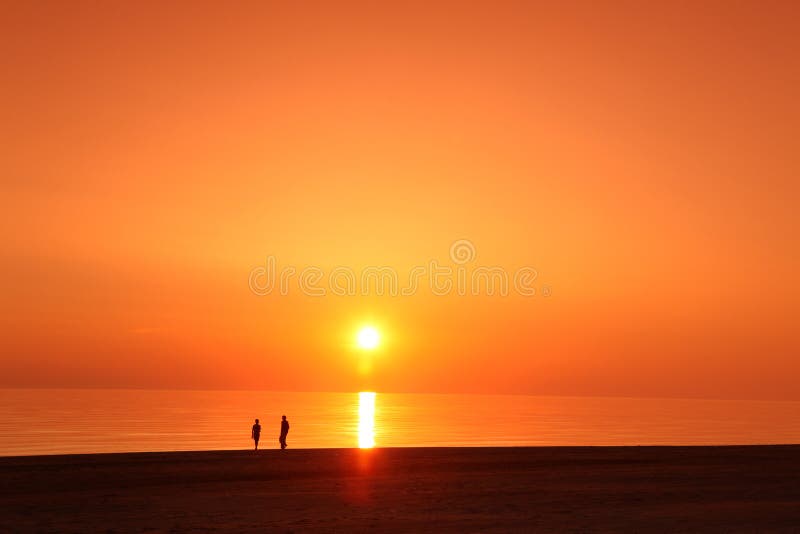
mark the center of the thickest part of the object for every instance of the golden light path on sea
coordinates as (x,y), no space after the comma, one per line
(366,419)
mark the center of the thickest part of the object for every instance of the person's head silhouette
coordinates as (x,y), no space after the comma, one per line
(284,418)
(256,421)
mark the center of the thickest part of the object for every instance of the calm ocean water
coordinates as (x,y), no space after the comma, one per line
(44,421)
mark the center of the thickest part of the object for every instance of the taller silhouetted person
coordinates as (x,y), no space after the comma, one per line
(284,432)
(256,433)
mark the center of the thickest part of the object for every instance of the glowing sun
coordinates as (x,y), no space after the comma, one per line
(368,338)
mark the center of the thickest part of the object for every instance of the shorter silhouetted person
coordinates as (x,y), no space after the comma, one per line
(284,432)
(256,434)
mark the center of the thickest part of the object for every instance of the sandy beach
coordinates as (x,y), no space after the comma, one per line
(583,489)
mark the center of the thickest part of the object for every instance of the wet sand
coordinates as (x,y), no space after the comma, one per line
(527,489)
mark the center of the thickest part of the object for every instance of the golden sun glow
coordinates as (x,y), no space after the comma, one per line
(368,338)
(366,419)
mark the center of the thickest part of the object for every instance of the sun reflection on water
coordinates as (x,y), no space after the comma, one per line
(366,419)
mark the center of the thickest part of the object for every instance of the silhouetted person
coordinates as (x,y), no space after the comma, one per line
(284,432)
(256,434)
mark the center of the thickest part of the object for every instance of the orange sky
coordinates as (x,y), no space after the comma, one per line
(643,159)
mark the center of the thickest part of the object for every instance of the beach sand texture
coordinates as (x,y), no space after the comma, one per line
(558,489)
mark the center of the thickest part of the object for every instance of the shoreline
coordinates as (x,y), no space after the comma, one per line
(450,447)
(652,488)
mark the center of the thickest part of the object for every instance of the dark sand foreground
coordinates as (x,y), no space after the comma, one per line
(604,489)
